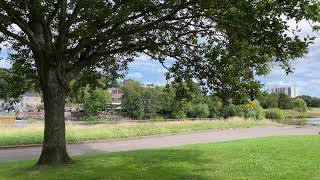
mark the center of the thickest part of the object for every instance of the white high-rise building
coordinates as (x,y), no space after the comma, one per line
(291,91)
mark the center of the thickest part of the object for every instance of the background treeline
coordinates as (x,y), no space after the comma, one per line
(311,101)
(283,101)
(178,100)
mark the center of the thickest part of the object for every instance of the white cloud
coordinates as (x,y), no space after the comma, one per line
(135,76)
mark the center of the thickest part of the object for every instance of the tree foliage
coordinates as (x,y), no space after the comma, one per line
(311,101)
(96,101)
(299,104)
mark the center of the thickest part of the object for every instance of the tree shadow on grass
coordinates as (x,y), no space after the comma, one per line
(142,164)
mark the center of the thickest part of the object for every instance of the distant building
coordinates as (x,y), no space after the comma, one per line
(30,100)
(149,86)
(291,91)
(116,94)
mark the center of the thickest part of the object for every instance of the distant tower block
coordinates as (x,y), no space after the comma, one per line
(291,91)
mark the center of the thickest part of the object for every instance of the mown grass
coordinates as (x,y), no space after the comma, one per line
(76,133)
(313,112)
(295,157)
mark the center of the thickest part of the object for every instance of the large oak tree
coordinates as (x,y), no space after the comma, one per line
(222,43)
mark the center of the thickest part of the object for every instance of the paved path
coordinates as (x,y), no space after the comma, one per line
(162,141)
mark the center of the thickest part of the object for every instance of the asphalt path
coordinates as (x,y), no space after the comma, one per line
(32,153)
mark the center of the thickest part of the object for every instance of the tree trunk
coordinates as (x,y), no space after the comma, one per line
(54,149)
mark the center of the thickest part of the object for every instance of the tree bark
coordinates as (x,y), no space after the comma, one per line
(54,149)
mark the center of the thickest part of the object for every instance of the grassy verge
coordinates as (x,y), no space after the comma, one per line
(75,133)
(295,157)
(7,119)
(314,112)
(292,121)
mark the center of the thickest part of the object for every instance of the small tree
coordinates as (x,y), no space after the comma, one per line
(96,101)
(285,101)
(133,100)
(299,104)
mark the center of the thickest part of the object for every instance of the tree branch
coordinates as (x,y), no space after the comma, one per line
(23,40)
(16,19)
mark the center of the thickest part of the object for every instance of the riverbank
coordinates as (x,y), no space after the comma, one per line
(33,134)
(311,113)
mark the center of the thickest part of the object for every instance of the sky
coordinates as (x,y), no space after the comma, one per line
(306,76)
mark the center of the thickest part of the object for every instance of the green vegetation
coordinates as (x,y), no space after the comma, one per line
(313,112)
(76,133)
(311,101)
(231,111)
(282,101)
(299,105)
(291,121)
(274,114)
(293,157)
(179,101)
(96,100)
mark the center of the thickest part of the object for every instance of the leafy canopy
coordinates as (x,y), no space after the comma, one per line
(223,44)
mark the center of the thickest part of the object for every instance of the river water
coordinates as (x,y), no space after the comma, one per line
(313,121)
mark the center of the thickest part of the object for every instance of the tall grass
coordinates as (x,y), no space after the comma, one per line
(313,112)
(76,133)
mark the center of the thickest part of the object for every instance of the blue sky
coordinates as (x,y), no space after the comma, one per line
(306,75)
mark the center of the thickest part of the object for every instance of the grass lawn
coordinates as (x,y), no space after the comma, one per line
(295,157)
(76,133)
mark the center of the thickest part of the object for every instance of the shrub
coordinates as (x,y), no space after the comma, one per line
(215,106)
(284,102)
(298,104)
(268,101)
(199,111)
(232,110)
(274,114)
(257,112)
(92,118)
(179,115)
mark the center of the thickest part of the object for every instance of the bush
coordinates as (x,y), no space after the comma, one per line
(298,104)
(257,112)
(199,111)
(179,115)
(232,110)
(284,102)
(92,118)
(274,114)
(268,101)
(215,106)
